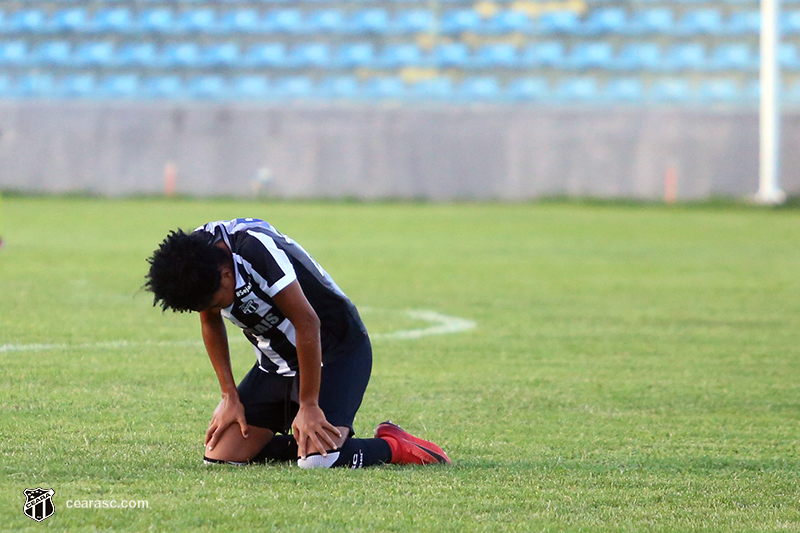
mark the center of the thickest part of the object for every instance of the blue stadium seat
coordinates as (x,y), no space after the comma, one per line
(400,55)
(701,22)
(6,87)
(652,21)
(559,22)
(670,90)
(241,21)
(605,20)
(439,88)
(206,87)
(116,20)
(94,54)
(460,21)
(744,23)
(284,21)
(250,87)
(369,21)
(639,56)
(790,22)
(384,88)
(141,54)
(577,90)
(267,55)
(169,86)
(787,56)
(180,55)
(624,90)
(13,53)
(496,56)
(451,55)
(591,55)
(67,20)
(508,21)
(544,54)
(791,93)
(35,86)
(413,21)
(328,21)
(751,91)
(733,56)
(156,21)
(294,87)
(197,21)
(28,21)
(528,89)
(120,86)
(221,55)
(483,88)
(77,86)
(310,55)
(353,55)
(53,53)
(339,87)
(690,56)
(719,91)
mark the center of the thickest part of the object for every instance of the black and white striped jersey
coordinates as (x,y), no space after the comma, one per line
(265,262)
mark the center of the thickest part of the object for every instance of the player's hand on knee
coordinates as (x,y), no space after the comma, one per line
(229,411)
(313,432)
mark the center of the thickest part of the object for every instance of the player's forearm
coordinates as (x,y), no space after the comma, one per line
(309,358)
(215,339)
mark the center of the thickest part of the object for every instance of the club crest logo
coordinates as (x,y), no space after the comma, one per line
(39,503)
(249,307)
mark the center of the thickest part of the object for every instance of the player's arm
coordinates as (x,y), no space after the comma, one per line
(230,409)
(311,429)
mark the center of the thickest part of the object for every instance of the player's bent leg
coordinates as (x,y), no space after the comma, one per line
(351,453)
(233,448)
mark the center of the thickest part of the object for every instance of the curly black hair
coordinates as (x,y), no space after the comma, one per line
(184,271)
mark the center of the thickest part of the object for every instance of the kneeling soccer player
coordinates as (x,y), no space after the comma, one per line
(313,354)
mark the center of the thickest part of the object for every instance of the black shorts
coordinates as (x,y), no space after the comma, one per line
(271,401)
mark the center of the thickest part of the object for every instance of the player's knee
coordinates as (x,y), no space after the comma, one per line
(210,461)
(318,461)
(226,455)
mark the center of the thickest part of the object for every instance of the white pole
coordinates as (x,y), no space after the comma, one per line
(769,191)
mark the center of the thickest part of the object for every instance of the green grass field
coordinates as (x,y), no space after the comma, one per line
(632,368)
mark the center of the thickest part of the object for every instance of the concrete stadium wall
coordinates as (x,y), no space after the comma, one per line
(384,151)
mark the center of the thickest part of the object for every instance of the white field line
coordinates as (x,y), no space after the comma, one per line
(440,325)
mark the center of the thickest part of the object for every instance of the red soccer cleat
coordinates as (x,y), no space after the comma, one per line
(408,449)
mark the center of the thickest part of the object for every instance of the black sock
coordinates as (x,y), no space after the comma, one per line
(360,453)
(279,448)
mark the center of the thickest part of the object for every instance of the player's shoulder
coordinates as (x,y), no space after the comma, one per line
(236,225)
(253,239)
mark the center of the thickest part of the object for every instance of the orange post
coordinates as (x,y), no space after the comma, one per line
(671,185)
(170,179)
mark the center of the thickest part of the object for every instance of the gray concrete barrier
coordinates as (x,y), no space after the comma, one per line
(384,151)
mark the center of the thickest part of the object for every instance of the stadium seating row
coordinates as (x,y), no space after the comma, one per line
(132,86)
(552,54)
(661,20)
